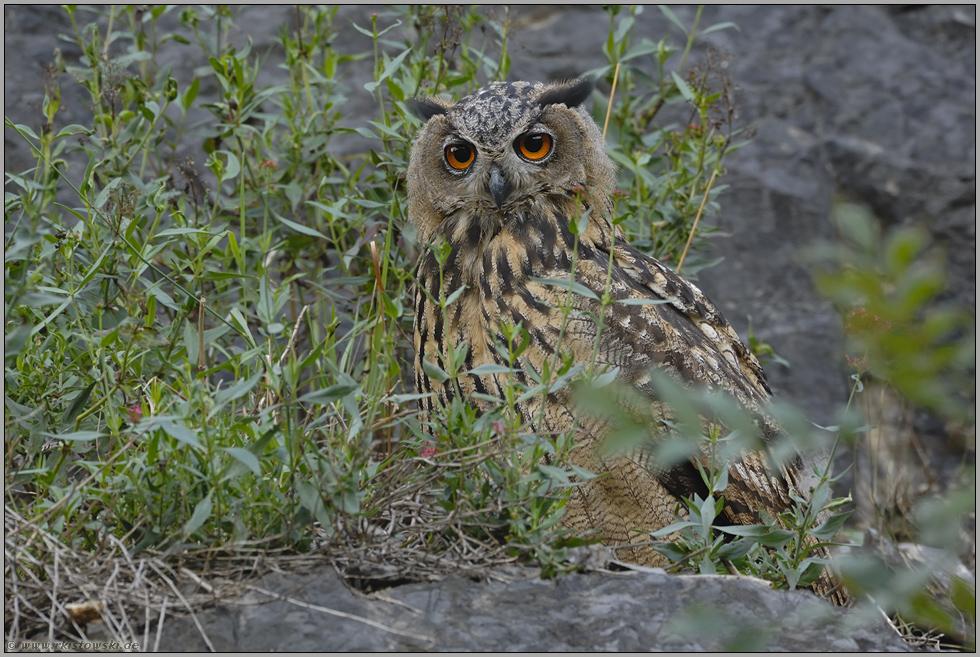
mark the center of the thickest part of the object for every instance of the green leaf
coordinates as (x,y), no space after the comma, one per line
(707,567)
(191,342)
(749,531)
(708,511)
(645,47)
(671,551)
(363,31)
(299,228)
(827,530)
(15,342)
(154,293)
(733,550)
(231,169)
(390,68)
(766,536)
(39,299)
(684,88)
(223,275)
(349,501)
(182,231)
(73,129)
(489,368)
(857,225)
(246,458)
(455,295)
(202,511)
(76,436)
(328,394)
(553,473)
(401,399)
(77,404)
(581,223)
(103,196)
(670,529)
(719,26)
(309,497)
(188,98)
(576,287)
(665,10)
(481,397)
(606,378)
(721,481)
(433,371)
(236,391)
(239,320)
(21,128)
(206,249)
(181,434)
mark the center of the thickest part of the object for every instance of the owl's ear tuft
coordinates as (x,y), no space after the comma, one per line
(425,108)
(570,94)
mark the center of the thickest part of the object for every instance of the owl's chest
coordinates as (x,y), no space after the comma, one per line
(496,295)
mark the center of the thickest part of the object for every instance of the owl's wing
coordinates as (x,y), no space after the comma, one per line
(754,482)
(658,320)
(717,335)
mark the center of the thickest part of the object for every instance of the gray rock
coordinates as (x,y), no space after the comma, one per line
(629,611)
(866,104)
(845,103)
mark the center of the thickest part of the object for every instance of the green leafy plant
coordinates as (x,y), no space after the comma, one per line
(669,169)
(886,287)
(910,342)
(212,355)
(784,549)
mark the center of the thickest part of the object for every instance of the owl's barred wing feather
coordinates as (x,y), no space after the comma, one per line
(684,337)
(719,360)
(676,330)
(689,300)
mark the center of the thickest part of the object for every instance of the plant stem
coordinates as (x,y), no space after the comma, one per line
(694,226)
(690,38)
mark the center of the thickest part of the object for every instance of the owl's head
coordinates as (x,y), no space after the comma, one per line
(496,153)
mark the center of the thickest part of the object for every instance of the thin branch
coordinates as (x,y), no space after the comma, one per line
(612,94)
(694,226)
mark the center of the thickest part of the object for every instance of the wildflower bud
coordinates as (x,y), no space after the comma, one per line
(170,91)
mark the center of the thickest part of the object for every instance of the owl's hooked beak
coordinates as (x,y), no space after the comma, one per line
(500,187)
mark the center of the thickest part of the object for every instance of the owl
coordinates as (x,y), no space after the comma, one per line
(497,181)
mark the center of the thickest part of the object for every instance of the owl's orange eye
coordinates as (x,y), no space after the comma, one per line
(460,155)
(534,146)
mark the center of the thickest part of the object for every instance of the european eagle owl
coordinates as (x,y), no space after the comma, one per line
(498,177)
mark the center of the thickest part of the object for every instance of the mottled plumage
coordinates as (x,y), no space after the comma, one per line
(499,176)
